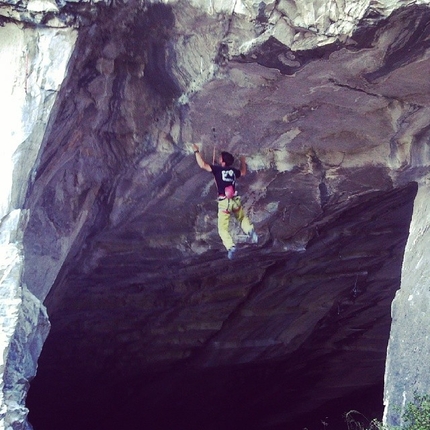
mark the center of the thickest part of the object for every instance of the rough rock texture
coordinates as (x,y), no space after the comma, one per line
(33,67)
(24,325)
(151,325)
(409,348)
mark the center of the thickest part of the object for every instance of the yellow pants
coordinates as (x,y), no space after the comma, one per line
(233,207)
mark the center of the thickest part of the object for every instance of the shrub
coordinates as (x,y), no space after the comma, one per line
(357,421)
(416,417)
(417,414)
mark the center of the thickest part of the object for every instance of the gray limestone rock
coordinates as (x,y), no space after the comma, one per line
(109,223)
(408,368)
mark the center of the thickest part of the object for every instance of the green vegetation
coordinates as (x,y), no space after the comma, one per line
(415,417)
(417,414)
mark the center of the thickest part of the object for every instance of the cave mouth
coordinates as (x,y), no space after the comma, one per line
(94,371)
(209,400)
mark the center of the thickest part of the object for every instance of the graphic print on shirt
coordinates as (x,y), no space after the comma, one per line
(228,175)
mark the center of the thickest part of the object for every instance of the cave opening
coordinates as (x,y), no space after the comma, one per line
(151,326)
(180,348)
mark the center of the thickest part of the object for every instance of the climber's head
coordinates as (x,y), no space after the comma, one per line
(227,158)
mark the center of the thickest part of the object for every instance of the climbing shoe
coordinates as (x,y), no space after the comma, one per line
(230,253)
(253,236)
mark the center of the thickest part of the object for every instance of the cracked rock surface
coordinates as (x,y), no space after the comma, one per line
(151,325)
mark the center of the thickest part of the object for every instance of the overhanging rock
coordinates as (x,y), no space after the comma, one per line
(330,105)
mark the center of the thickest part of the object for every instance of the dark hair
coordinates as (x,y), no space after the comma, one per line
(227,158)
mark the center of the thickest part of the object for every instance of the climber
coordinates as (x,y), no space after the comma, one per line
(228,200)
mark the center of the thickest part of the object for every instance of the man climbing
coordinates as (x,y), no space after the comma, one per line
(228,200)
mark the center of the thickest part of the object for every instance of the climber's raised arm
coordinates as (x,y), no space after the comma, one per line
(202,163)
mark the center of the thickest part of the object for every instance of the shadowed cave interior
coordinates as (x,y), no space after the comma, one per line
(152,327)
(125,350)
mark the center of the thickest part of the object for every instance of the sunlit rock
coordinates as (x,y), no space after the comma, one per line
(34,65)
(116,225)
(409,347)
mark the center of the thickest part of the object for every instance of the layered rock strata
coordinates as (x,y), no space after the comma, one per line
(34,63)
(330,104)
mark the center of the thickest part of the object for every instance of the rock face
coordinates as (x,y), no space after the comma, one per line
(407,358)
(151,325)
(33,68)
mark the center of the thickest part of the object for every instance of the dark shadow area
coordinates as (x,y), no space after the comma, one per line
(314,349)
(132,406)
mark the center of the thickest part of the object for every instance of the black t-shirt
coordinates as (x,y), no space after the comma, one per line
(225,176)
